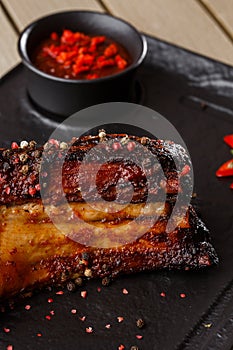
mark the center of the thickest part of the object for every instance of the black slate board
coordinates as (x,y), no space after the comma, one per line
(196,95)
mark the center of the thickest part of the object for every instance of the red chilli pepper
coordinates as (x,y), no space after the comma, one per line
(226,169)
(229,140)
(110,51)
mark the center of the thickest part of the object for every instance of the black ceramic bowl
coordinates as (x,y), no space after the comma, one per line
(66,96)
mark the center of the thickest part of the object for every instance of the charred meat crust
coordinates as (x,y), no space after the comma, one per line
(19,169)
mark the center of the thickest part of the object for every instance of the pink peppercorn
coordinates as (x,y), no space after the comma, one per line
(37,187)
(6,330)
(182,295)
(32,191)
(120,319)
(139,336)
(14,145)
(54,142)
(7,190)
(89,330)
(186,169)
(130,146)
(116,146)
(84,294)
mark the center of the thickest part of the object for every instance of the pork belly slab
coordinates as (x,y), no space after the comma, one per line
(111,237)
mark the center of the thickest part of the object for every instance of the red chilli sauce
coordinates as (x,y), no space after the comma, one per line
(75,55)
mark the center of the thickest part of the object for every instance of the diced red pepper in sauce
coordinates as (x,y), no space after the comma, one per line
(54,36)
(79,69)
(110,51)
(105,63)
(98,40)
(121,63)
(75,55)
(92,76)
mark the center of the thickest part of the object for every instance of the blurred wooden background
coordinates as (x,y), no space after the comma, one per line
(203,26)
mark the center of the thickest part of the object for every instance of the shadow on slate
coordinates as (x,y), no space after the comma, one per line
(195,94)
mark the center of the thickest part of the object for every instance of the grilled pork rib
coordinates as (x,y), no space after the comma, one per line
(35,253)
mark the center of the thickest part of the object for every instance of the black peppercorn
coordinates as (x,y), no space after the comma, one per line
(25,169)
(6,153)
(23,157)
(71,286)
(104,267)
(6,166)
(85,256)
(79,281)
(105,281)
(140,323)
(37,153)
(32,144)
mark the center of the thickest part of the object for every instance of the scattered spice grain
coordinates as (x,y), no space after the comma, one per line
(6,330)
(125,291)
(84,294)
(140,323)
(71,287)
(139,336)
(60,292)
(182,295)
(89,330)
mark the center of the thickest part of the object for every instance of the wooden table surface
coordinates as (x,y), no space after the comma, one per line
(203,26)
